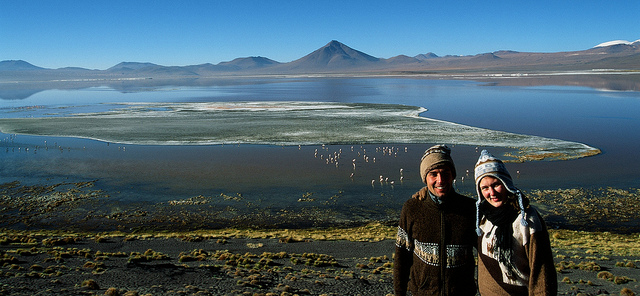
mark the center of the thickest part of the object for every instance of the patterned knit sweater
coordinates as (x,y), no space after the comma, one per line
(434,246)
(534,272)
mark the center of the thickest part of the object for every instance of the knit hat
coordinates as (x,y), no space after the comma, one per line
(489,165)
(434,157)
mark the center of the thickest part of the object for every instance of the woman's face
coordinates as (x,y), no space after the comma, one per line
(493,191)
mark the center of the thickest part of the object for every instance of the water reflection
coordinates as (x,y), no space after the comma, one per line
(608,82)
(334,88)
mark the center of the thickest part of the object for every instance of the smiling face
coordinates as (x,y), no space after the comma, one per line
(439,181)
(493,191)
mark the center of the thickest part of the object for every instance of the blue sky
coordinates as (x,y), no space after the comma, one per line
(99,34)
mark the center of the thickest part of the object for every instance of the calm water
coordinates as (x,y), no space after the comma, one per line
(296,176)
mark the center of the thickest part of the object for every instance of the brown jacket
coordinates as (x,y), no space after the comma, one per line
(533,259)
(434,246)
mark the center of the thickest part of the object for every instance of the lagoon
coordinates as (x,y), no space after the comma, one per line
(272,177)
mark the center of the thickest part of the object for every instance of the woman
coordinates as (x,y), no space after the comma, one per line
(514,252)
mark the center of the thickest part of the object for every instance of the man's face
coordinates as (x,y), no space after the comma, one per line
(439,181)
(493,191)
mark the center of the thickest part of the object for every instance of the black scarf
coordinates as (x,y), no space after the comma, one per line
(502,217)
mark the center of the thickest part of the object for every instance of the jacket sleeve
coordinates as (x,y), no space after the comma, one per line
(542,277)
(403,258)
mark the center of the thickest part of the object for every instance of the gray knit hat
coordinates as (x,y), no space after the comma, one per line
(489,165)
(434,157)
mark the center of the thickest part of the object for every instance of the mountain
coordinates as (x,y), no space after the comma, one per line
(338,58)
(616,48)
(486,57)
(331,57)
(248,63)
(17,65)
(149,69)
(426,56)
(616,42)
(239,64)
(402,59)
(132,66)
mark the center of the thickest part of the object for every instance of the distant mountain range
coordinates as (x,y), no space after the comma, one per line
(337,58)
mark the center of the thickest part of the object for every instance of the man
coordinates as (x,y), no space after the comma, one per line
(436,234)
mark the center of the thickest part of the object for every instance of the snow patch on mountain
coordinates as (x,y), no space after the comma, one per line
(616,42)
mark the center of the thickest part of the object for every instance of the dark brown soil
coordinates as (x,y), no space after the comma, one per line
(35,264)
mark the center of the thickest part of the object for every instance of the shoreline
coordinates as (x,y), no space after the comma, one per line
(79,206)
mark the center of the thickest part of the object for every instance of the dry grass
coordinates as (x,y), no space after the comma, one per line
(368,233)
(595,244)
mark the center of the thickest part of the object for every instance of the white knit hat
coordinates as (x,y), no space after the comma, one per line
(489,165)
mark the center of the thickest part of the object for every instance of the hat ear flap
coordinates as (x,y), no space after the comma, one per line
(521,204)
(478,230)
